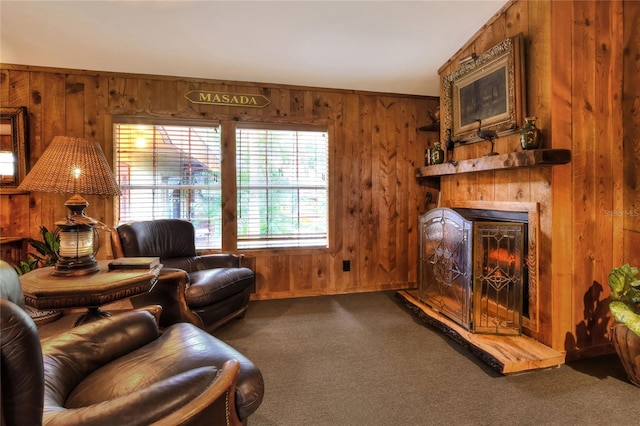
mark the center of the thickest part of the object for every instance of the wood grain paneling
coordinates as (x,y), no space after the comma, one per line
(631,138)
(582,82)
(574,83)
(557,231)
(374,201)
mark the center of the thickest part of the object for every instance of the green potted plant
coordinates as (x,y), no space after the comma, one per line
(625,307)
(47,254)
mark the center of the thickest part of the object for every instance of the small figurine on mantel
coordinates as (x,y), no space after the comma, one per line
(487,135)
(449,143)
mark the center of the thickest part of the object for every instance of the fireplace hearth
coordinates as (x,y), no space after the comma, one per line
(508,340)
(473,267)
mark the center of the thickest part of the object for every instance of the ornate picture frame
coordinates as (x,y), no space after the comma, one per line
(13,148)
(486,91)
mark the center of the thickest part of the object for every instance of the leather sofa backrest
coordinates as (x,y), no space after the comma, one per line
(22,390)
(22,367)
(164,238)
(10,287)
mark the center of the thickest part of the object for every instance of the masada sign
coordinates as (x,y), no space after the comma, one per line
(227,99)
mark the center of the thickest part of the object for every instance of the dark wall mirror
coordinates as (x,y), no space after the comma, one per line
(13,147)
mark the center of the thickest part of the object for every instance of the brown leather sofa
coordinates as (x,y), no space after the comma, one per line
(217,286)
(118,371)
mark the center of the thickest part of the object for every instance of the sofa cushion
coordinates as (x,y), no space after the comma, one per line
(180,349)
(181,354)
(199,263)
(211,285)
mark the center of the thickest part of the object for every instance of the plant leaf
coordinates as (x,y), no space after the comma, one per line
(624,283)
(620,310)
(634,324)
(624,314)
(39,246)
(617,283)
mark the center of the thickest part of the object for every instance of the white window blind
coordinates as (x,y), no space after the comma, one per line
(169,171)
(282,183)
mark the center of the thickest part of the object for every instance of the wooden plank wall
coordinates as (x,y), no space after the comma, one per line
(375,148)
(574,84)
(583,85)
(631,118)
(596,181)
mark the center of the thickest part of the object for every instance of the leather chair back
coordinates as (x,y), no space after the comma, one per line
(164,238)
(10,287)
(22,373)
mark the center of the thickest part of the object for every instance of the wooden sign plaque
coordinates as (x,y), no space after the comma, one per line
(227,99)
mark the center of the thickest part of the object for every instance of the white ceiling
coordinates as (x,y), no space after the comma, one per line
(383,46)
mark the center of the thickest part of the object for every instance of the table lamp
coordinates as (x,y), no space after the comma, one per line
(76,166)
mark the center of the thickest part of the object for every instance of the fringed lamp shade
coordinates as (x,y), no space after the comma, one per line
(76,166)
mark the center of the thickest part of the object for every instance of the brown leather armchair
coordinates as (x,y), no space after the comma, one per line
(118,370)
(217,286)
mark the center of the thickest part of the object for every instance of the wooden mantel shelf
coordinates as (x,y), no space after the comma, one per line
(512,160)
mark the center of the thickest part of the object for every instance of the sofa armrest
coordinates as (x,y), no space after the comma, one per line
(155,310)
(202,395)
(202,262)
(169,292)
(198,263)
(214,406)
(220,260)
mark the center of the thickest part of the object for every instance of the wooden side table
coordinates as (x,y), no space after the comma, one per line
(45,291)
(13,249)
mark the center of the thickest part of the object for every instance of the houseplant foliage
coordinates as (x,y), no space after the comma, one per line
(625,296)
(625,308)
(47,252)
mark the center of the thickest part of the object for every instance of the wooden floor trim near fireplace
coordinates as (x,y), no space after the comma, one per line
(506,354)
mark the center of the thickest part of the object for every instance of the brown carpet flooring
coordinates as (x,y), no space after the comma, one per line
(364,359)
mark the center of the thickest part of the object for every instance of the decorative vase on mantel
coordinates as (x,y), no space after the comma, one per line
(530,134)
(627,345)
(437,154)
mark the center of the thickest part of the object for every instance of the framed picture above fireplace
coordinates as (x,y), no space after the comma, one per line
(488,91)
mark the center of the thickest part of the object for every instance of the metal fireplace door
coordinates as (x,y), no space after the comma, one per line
(445,274)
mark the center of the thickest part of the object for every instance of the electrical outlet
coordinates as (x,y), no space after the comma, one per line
(346,265)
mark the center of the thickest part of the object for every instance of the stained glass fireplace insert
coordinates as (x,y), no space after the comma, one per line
(472,267)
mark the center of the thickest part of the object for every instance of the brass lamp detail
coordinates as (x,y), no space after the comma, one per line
(76,166)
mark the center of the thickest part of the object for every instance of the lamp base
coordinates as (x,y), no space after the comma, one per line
(74,267)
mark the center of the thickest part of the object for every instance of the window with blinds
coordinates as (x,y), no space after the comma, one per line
(171,171)
(282,187)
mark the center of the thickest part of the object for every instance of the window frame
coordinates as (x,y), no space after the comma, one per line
(162,122)
(299,127)
(228,123)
